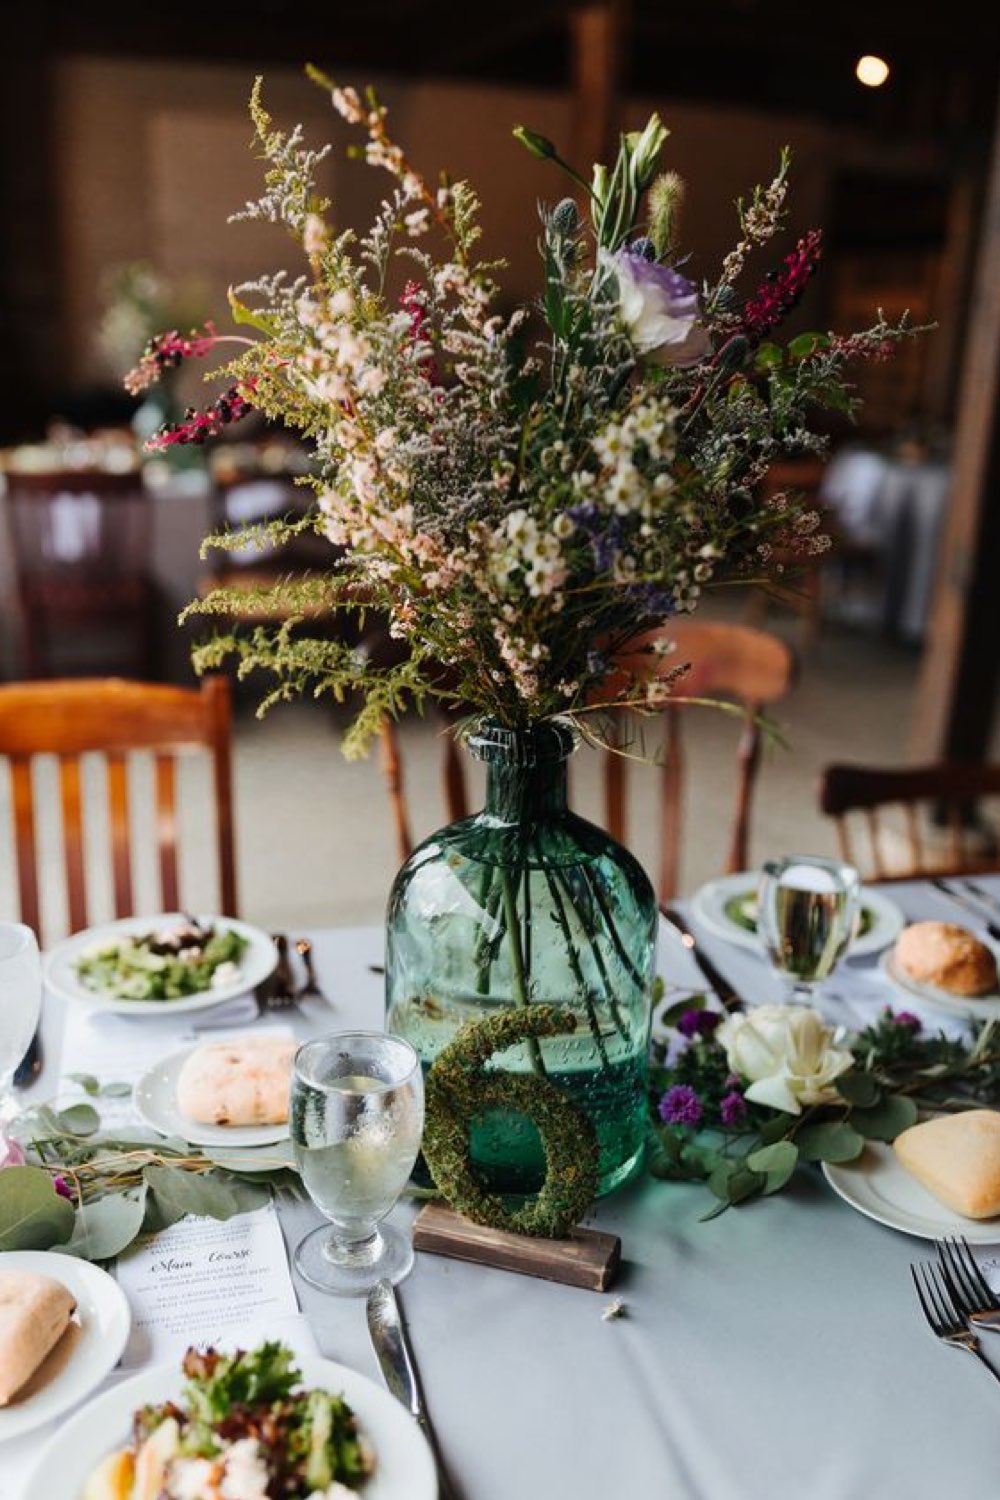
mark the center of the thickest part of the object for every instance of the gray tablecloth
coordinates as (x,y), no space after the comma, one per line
(774,1353)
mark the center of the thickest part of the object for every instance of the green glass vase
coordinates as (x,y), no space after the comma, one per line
(525,904)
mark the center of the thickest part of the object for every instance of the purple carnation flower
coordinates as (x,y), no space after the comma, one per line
(732,1108)
(680,1105)
(62,1187)
(907,1018)
(696,1022)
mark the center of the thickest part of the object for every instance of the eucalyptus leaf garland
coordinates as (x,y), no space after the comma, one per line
(92,1192)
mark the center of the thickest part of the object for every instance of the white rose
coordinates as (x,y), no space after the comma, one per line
(787,1054)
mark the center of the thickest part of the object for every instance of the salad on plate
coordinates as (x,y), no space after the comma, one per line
(241,1428)
(184,958)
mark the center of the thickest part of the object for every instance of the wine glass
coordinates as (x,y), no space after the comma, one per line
(808,910)
(357,1114)
(20,1004)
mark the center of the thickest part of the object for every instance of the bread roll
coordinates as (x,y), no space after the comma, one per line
(34,1314)
(244,1082)
(947,957)
(957,1158)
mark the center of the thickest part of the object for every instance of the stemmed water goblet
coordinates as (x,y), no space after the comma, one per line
(20,1004)
(807,913)
(357,1114)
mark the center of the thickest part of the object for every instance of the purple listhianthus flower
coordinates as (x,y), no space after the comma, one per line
(696,1022)
(660,309)
(732,1109)
(680,1105)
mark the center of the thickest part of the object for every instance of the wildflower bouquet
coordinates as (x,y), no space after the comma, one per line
(739,1101)
(521,495)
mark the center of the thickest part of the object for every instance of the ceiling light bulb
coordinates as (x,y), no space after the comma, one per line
(871,71)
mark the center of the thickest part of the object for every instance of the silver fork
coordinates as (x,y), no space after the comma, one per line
(943,1320)
(278,992)
(970,1291)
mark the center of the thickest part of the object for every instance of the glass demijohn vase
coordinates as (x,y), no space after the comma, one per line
(524,904)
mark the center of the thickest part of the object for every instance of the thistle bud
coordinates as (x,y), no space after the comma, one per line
(643,246)
(565,220)
(733,354)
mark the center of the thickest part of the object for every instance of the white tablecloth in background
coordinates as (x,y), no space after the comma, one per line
(775,1353)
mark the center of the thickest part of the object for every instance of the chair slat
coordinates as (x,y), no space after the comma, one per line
(24,840)
(748,759)
(166,830)
(844,843)
(120,830)
(914,836)
(72,820)
(215,691)
(392,767)
(453,779)
(875,841)
(615,791)
(670,816)
(956,850)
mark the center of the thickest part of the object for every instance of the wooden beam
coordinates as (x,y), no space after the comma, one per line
(951,297)
(959,673)
(598,43)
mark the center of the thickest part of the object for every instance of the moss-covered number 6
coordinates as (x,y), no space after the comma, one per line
(459,1089)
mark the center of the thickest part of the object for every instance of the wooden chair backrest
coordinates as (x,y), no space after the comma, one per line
(453,784)
(950,788)
(733,662)
(72,718)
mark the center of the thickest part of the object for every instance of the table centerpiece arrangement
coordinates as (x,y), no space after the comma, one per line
(524,498)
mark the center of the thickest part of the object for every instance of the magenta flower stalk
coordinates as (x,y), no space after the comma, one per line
(776,296)
(198,426)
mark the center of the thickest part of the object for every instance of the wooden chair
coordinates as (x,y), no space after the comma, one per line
(951,792)
(733,662)
(81,543)
(72,718)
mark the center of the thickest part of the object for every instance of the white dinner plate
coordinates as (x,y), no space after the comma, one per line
(155,1097)
(710,901)
(404,1466)
(980,1007)
(256,965)
(877,1186)
(90,1348)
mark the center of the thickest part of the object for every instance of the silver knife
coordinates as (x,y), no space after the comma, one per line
(395,1359)
(729,996)
(30,1065)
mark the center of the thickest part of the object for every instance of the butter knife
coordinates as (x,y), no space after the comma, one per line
(395,1359)
(729,997)
(30,1065)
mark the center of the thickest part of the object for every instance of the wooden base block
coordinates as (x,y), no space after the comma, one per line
(585,1258)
